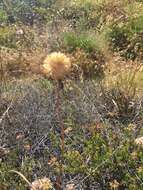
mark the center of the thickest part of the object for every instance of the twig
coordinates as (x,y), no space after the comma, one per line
(6,112)
(59,117)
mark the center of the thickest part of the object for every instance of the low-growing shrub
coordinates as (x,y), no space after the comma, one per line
(98,151)
(111,159)
(82,15)
(3,17)
(73,41)
(74,162)
(89,65)
(8,37)
(126,37)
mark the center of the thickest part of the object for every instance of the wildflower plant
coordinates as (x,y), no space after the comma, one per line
(57,66)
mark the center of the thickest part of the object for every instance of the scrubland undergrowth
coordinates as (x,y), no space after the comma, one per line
(100,103)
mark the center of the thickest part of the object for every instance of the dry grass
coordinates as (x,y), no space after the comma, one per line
(90,108)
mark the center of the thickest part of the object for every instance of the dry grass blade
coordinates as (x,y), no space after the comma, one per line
(23,177)
(4,114)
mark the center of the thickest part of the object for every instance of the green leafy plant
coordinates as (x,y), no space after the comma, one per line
(7,37)
(3,16)
(73,41)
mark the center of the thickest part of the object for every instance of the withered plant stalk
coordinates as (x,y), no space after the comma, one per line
(61,125)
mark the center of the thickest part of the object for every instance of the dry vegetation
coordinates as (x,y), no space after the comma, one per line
(72,119)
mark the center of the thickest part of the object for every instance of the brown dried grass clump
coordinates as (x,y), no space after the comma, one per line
(89,66)
(56,66)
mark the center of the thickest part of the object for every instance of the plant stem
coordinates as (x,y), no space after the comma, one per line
(61,124)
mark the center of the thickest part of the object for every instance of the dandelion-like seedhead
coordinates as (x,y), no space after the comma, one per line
(42,184)
(56,66)
(139,141)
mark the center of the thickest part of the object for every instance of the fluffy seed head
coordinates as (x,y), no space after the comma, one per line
(139,141)
(42,184)
(56,66)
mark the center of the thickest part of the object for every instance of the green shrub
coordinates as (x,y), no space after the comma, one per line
(108,158)
(135,24)
(107,155)
(3,16)
(126,37)
(75,162)
(83,41)
(8,37)
(8,180)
